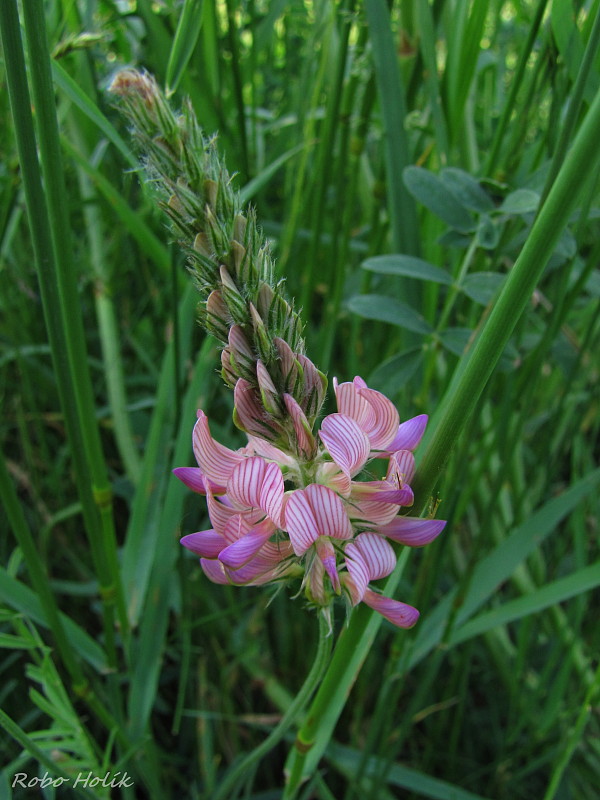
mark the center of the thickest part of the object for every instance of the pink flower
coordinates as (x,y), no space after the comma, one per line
(331,528)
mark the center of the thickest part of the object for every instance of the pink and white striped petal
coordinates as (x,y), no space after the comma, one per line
(400,614)
(271,563)
(260,447)
(384,422)
(358,573)
(207,544)
(372,512)
(347,444)
(194,479)
(329,512)
(300,521)
(349,401)
(402,466)
(378,554)
(221,514)
(413,531)
(381,491)
(409,434)
(240,552)
(216,461)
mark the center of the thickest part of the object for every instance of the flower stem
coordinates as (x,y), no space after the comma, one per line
(308,687)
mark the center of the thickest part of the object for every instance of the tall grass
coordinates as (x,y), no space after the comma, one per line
(421,170)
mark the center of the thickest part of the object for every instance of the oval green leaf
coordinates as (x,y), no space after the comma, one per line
(387,309)
(408,266)
(429,190)
(482,286)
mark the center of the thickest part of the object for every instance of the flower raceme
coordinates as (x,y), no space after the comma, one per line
(330,529)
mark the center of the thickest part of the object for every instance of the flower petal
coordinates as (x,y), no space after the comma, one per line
(239,553)
(350,403)
(400,614)
(385,420)
(409,434)
(413,531)
(216,461)
(377,553)
(326,554)
(207,544)
(358,572)
(194,479)
(214,570)
(304,436)
(271,493)
(244,485)
(329,512)
(347,444)
(402,466)
(300,522)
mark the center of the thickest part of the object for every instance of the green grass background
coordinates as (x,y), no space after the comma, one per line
(367,135)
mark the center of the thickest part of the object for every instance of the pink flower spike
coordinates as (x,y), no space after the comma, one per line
(413,531)
(240,552)
(207,544)
(216,461)
(347,444)
(409,434)
(194,479)
(400,614)
(378,554)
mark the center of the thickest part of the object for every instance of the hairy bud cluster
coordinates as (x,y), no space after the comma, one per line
(242,306)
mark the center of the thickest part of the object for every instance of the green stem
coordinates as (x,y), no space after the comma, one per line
(476,368)
(350,652)
(308,687)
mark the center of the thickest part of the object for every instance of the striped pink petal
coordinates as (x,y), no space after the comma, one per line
(400,614)
(207,544)
(350,403)
(378,554)
(372,511)
(235,528)
(346,443)
(383,425)
(221,513)
(329,512)
(245,483)
(402,465)
(358,571)
(194,479)
(382,491)
(300,522)
(249,415)
(413,531)
(272,562)
(267,450)
(271,493)
(239,553)
(216,461)
(409,434)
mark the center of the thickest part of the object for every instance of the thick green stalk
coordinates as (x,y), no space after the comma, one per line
(475,370)
(350,652)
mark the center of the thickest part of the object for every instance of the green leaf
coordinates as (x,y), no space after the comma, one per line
(186,37)
(584,580)
(521,201)
(387,309)
(407,265)
(393,373)
(429,190)
(467,189)
(482,286)
(488,233)
(455,339)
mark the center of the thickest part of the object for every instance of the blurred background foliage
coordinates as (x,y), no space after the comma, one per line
(397,154)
